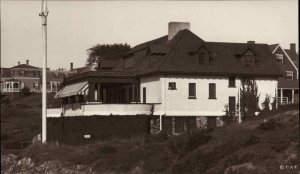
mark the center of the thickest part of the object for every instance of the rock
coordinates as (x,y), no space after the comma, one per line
(243,168)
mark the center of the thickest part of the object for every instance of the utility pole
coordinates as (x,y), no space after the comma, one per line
(44,14)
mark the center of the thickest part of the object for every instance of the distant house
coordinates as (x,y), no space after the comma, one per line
(288,63)
(181,78)
(14,79)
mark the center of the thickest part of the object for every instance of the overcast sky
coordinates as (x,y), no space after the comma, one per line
(75,26)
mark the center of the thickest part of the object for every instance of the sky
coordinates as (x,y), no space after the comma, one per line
(75,26)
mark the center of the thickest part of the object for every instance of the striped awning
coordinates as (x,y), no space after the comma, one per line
(71,90)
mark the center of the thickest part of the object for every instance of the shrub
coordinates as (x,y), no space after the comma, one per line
(177,143)
(269,125)
(25,91)
(266,104)
(196,139)
(249,98)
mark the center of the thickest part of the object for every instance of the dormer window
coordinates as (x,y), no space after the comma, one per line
(249,61)
(128,62)
(289,75)
(279,58)
(201,59)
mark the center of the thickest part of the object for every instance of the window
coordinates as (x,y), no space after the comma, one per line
(249,61)
(21,73)
(289,75)
(231,104)
(212,91)
(172,85)
(201,59)
(192,90)
(279,58)
(231,81)
(128,62)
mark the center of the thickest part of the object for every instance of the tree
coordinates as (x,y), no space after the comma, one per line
(25,91)
(249,98)
(106,51)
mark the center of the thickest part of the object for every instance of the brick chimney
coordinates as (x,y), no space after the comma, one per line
(175,27)
(27,62)
(250,42)
(19,63)
(293,47)
(71,66)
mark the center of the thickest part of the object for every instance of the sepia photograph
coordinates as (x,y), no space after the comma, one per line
(149,87)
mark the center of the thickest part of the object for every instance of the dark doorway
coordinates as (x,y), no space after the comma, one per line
(231,104)
(211,122)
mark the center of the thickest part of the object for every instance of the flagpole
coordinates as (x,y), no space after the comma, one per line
(44,14)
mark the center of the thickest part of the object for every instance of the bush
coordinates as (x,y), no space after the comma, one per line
(196,139)
(269,125)
(266,104)
(25,91)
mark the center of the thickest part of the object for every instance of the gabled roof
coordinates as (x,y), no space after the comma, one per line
(178,59)
(25,66)
(273,47)
(293,55)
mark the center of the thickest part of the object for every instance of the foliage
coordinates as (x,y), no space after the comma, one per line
(230,116)
(273,104)
(25,91)
(266,104)
(106,51)
(249,98)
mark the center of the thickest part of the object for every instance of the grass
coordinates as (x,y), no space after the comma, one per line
(266,142)
(21,120)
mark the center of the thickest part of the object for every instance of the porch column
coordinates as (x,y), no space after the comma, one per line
(281,96)
(160,122)
(51,86)
(293,94)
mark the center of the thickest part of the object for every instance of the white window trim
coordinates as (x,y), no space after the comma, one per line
(279,56)
(292,74)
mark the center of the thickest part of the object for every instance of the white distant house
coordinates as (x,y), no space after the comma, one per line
(179,77)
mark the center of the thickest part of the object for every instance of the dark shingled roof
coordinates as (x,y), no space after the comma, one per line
(272,47)
(178,57)
(25,66)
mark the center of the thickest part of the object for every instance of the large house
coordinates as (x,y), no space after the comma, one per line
(14,79)
(179,77)
(288,63)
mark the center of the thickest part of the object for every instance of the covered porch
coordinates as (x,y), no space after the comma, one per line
(288,95)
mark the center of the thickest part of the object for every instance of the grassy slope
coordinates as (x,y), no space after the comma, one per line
(21,120)
(267,144)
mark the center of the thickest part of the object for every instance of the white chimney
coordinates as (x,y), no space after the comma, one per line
(175,27)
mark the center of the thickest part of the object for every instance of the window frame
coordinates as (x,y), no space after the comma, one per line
(192,86)
(172,87)
(212,94)
(281,58)
(291,74)
(230,85)
(201,59)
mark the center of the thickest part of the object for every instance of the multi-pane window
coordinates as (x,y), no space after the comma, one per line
(289,75)
(249,61)
(279,58)
(172,85)
(128,62)
(201,59)
(212,91)
(231,81)
(192,90)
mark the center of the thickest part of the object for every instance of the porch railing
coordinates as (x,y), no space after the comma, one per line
(285,100)
(78,109)
(10,90)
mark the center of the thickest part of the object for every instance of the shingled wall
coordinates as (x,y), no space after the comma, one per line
(71,130)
